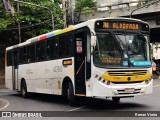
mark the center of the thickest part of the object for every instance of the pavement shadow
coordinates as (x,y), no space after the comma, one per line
(89,103)
(45,98)
(102,104)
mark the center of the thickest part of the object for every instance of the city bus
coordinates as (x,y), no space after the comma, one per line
(104,58)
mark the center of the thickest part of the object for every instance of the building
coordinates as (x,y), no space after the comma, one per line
(110,2)
(103,3)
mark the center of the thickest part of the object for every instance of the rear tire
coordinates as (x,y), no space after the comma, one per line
(71,97)
(116,99)
(24,92)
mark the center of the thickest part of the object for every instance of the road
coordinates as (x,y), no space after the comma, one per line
(12,101)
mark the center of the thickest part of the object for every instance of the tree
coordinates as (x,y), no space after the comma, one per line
(84,6)
(33,20)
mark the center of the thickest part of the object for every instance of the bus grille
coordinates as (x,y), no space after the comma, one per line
(127,73)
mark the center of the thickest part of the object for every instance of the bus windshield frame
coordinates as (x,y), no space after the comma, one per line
(126,49)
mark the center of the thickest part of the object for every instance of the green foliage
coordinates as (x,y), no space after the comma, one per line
(32,19)
(85,5)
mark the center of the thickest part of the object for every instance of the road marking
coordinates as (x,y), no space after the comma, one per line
(7,104)
(76,109)
(156,86)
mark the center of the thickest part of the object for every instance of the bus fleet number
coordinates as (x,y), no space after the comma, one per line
(57,69)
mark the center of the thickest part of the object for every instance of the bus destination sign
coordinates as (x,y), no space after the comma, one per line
(121,25)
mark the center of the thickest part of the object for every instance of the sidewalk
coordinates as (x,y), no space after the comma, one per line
(5,90)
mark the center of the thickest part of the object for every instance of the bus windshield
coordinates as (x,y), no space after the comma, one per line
(121,50)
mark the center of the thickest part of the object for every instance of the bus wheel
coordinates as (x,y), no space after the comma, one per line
(24,90)
(70,95)
(116,99)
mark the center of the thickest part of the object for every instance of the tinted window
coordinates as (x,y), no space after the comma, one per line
(23,55)
(40,51)
(52,48)
(31,53)
(65,46)
(9,58)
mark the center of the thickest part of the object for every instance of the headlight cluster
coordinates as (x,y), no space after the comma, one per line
(102,80)
(148,80)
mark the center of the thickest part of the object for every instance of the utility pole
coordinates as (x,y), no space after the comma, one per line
(19,25)
(40,6)
(27,3)
(72,4)
(64,14)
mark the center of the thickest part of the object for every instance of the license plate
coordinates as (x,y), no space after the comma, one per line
(129,90)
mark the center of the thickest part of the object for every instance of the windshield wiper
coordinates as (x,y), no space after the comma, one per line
(122,50)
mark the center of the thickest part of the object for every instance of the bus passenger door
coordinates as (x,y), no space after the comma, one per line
(80,63)
(15,69)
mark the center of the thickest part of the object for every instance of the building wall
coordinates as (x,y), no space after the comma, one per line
(102,3)
(110,2)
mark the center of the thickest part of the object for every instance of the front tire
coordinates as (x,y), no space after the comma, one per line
(71,97)
(24,92)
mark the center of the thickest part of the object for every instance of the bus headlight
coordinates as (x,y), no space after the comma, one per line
(106,82)
(102,80)
(148,80)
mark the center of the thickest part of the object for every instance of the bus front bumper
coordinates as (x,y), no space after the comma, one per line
(121,90)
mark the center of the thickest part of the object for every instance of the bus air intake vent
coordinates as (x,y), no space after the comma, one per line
(127,73)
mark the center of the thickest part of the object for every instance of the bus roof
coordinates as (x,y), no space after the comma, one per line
(88,23)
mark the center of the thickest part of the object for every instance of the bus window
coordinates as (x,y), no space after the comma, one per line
(56,45)
(23,55)
(9,58)
(64,46)
(31,53)
(47,49)
(52,48)
(40,51)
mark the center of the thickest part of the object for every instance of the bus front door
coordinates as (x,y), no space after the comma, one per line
(15,70)
(80,73)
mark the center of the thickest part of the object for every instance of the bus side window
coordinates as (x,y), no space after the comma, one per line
(65,45)
(40,51)
(51,48)
(9,58)
(23,55)
(47,49)
(56,45)
(31,53)
(71,45)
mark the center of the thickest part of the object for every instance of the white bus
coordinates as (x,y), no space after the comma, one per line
(105,57)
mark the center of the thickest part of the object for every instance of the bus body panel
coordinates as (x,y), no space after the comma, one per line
(8,77)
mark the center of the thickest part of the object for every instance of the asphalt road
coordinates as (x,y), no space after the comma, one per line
(93,108)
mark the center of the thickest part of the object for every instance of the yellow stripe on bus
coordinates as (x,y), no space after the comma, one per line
(134,78)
